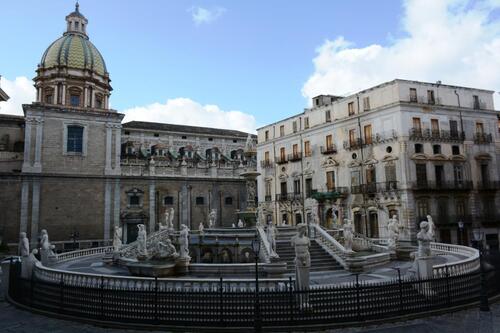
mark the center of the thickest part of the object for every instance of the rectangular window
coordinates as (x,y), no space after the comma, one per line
(283,188)
(413,95)
(350,108)
(308,187)
(479,128)
(266,135)
(75,100)
(476,102)
(306,122)
(294,125)
(419,148)
(134,200)
(228,201)
(49,99)
(75,139)
(436,149)
(366,103)
(421,174)
(390,173)
(330,180)
(458,174)
(355,178)
(282,154)
(200,200)
(268,188)
(266,156)
(98,102)
(307,149)
(371,176)
(282,130)
(455,150)
(435,127)
(417,125)
(368,134)
(328,116)
(168,200)
(295,150)
(329,142)
(352,137)
(430,97)
(439,171)
(422,209)
(296,186)
(453,129)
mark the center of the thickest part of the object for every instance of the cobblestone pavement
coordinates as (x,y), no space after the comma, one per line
(15,320)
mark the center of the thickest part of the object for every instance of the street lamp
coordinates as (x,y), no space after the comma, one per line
(256,250)
(484,302)
(460,232)
(74,236)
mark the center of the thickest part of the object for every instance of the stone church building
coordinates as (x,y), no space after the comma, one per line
(72,167)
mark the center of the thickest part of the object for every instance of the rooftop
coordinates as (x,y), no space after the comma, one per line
(183,129)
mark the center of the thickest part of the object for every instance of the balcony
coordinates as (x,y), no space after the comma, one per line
(417,134)
(373,188)
(266,164)
(353,144)
(380,138)
(281,160)
(331,194)
(464,185)
(310,193)
(267,198)
(282,197)
(328,150)
(341,191)
(483,138)
(288,197)
(488,185)
(295,157)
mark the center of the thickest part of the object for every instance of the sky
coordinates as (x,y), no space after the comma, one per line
(244,64)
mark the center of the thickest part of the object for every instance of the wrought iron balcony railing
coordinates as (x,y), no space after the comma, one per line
(353,144)
(419,134)
(372,188)
(289,197)
(328,150)
(267,198)
(295,157)
(281,160)
(463,185)
(266,164)
(483,138)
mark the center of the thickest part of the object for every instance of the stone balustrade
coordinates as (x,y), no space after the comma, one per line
(265,248)
(469,264)
(83,253)
(330,244)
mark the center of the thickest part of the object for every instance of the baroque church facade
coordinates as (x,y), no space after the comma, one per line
(72,167)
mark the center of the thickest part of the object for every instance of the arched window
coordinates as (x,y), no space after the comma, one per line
(75,96)
(49,95)
(74,141)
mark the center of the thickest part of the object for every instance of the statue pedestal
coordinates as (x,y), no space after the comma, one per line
(275,268)
(48,257)
(182,265)
(354,264)
(424,267)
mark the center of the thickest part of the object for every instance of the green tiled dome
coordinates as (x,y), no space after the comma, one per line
(74,51)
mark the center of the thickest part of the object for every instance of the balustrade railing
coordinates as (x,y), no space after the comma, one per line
(83,253)
(462,185)
(265,248)
(467,265)
(336,249)
(419,134)
(328,150)
(483,138)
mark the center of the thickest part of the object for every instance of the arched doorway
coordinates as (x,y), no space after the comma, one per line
(358,223)
(298,218)
(373,224)
(329,218)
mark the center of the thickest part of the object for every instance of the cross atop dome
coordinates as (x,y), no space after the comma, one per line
(76,22)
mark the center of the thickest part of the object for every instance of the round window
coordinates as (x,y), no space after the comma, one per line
(388,149)
(354,156)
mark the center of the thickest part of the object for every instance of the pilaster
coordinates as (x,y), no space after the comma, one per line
(107,209)
(109,132)
(27,144)
(35,209)
(37,166)
(23,225)
(152,206)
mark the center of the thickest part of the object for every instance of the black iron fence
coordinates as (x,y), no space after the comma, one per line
(226,306)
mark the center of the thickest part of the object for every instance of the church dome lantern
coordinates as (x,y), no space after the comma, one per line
(72,71)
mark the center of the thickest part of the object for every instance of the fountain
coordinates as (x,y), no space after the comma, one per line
(249,214)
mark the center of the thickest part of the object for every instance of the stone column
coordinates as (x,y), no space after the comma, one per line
(109,132)
(35,210)
(23,225)
(85,96)
(118,148)
(56,94)
(116,213)
(107,209)
(92,98)
(38,145)
(39,94)
(152,207)
(27,144)
(63,97)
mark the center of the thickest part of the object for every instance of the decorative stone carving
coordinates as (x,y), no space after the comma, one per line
(393,227)
(240,224)
(165,251)
(184,242)
(301,244)
(171,219)
(212,218)
(117,239)
(201,228)
(348,235)
(271,233)
(142,251)
(424,237)
(24,245)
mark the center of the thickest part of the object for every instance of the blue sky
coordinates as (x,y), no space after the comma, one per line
(260,58)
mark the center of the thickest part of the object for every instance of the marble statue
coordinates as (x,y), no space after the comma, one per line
(142,251)
(211,218)
(165,251)
(301,244)
(348,235)
(234,225)
(171,219)
(166,221)
(432,227)
(424,237)
(184,241)
(27,264)
(240,224)
(393,226)
(271,233)
(47,250)
(201,228)
(117,239)
(250,144)
(24,245)
(44,241)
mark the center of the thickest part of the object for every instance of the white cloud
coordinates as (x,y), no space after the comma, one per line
(20,91)
(188,112)
(455,41)
(202,15)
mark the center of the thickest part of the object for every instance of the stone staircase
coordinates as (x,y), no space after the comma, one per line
(320,259)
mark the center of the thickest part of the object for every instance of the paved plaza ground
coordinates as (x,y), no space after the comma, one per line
(468,321)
